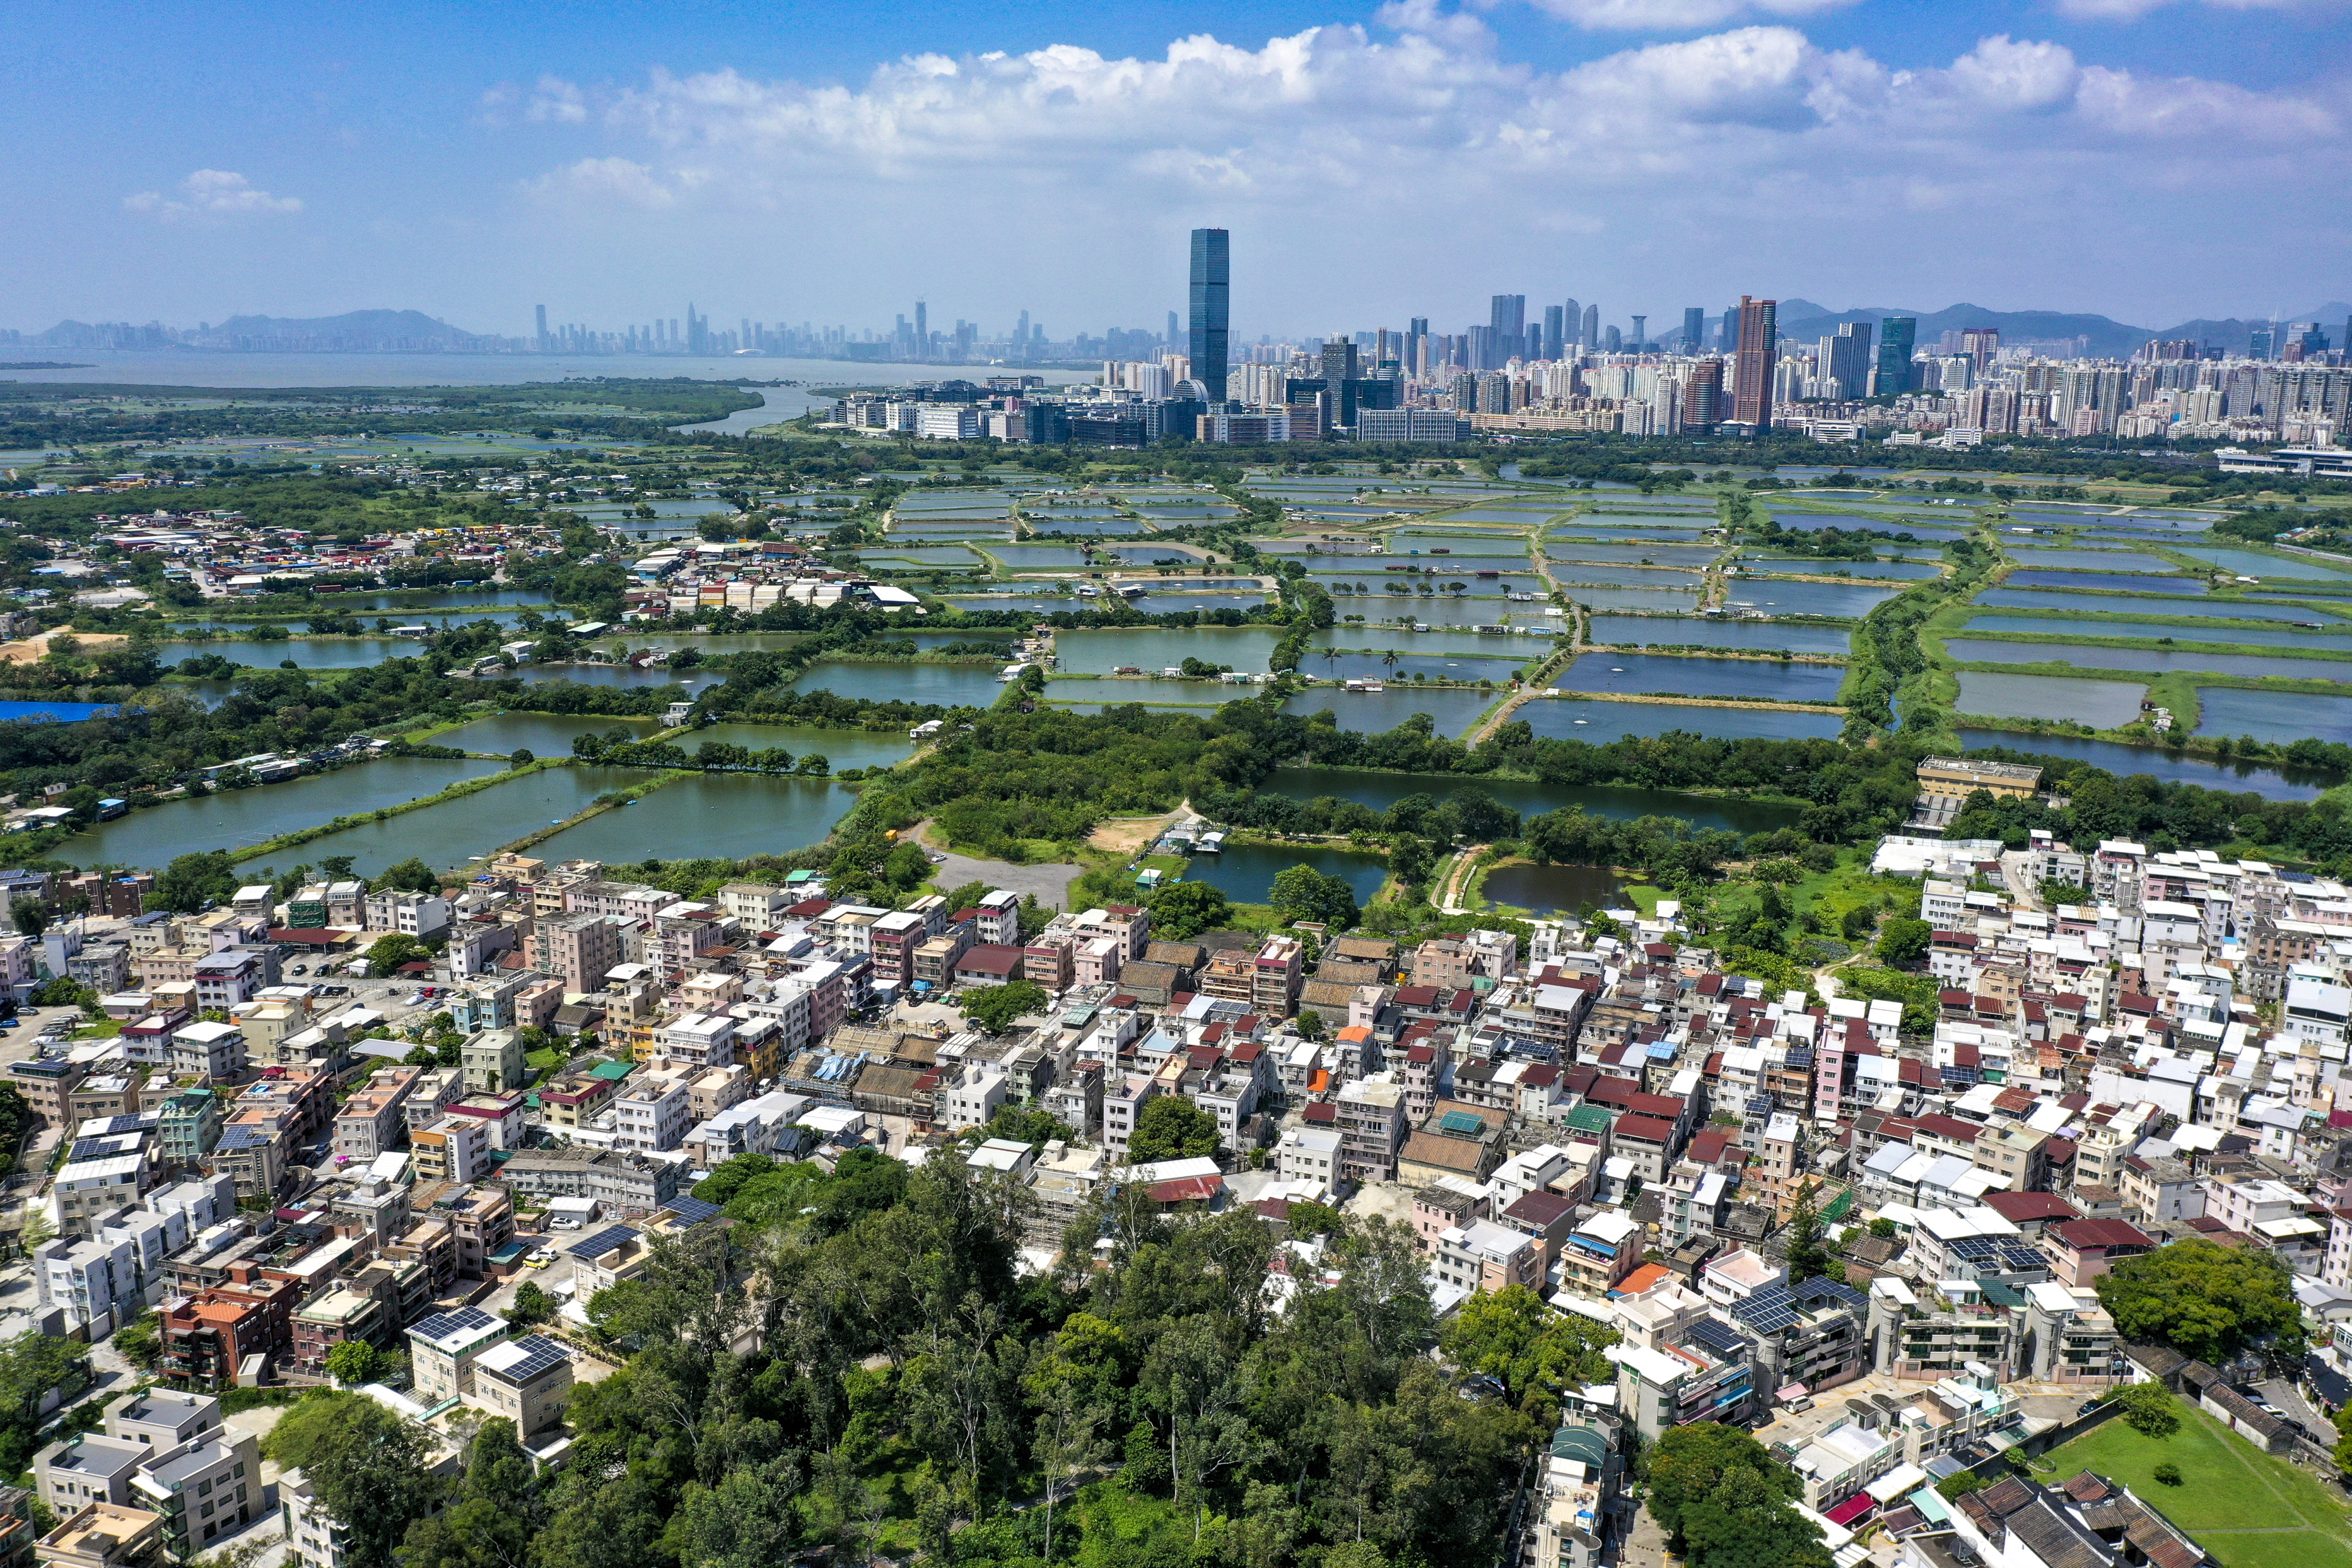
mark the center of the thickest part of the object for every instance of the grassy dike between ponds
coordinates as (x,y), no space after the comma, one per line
(611,799)
(457,791)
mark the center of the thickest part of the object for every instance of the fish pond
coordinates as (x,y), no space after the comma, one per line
(2144,660)
(2125,760)
(1598,723)
(2280,717)
(2102,704)
(1700,631)
(1636,674)
(238,819)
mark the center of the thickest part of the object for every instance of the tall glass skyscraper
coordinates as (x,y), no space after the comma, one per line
(1895,343)
(1212,304)
(1694,328)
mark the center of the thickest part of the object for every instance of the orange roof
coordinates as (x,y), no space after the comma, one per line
(1355,1032)
(1318,1081)
(1641,1278)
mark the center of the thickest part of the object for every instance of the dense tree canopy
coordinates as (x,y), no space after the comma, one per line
(2205,1301)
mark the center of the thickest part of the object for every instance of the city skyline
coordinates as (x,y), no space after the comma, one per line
(1848,153)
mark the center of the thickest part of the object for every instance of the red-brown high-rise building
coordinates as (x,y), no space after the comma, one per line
(1751,375)
(1702,396)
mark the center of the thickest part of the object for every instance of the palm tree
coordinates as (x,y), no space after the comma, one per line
(1388,659)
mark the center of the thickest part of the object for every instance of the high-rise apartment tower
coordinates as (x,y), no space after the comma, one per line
(1751,378)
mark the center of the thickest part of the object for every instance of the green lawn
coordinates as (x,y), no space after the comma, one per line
(2247,1508)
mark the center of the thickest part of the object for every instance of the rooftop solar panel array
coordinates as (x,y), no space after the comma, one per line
(540,1352)
(589,1248)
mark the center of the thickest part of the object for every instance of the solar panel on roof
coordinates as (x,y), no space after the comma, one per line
(540,1353)
(1718,1336)
(1460,1121)
(589,1247)
(693,1211)
(1821,1288)
(457,1320)
(1767,1310)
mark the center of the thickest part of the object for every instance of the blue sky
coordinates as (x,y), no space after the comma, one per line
(2147,160)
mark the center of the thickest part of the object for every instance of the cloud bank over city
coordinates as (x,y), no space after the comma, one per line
(1411,160)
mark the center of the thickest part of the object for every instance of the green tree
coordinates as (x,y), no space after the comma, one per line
(191,881)
(1689,1462)
(354,1362)
(1302,893)
(2205,1301)
(1807,1258)
(996,1007)
(366,1465)
(2167,1474)
(140,1340)
(531,1305)
(1182,910)
(1747,1522)
(1412,859)
(497,1514)
(1172,1128)
(411,876)
(387,953)
(2148,1409)
(1903,941)
(750,1520)
(1512,1336)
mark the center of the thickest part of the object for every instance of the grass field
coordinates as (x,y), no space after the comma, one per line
(2247,1508)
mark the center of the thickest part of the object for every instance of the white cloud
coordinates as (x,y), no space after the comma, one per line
(1420,142)
(2133,10)
(1675,15)
(216,194)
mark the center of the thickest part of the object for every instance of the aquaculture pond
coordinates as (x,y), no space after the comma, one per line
(449,835)
(1551,890)
(2281,717)
(2123,604)
(1380,790)
(2252,637)
(1245,872)
(1638,674)
(2125,760)
(1451,710)
(1644,599)
(1588,528)
(2117,581)
(2144,660)
(2102,704)
(238,819)
(1572,719)
(1367,664)
(1038,557)
(1747,636)
(2253,564)
(309,653)
(1584,573)
(840,748)
(719,816)
(1098,652)
(2089,560)
(1684,555)
(948,684)
(542,734)
(1777,596)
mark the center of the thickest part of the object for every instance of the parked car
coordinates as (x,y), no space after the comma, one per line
(538,1260)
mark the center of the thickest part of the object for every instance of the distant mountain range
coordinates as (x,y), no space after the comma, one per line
(354,331)
(2103,337)
(405,326)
